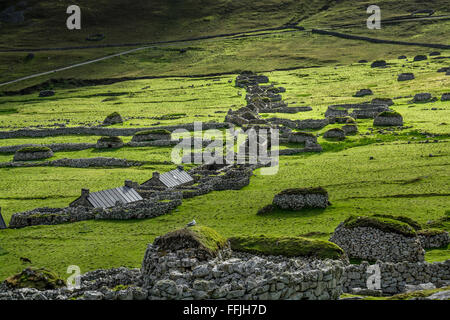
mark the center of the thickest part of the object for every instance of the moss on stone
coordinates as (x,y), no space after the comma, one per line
(381,223)
(416,225)
(110,139)
(113,115)
(156,131)
(417,294)
(34,149)
(389,114)
(196,237)
(430,232)
(304,191)
(286,246)
(303,134)
(41,279)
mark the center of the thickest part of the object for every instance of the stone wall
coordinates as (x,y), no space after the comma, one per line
(178,275)
(147,208)
(75,163)
(100,131)
(373,244)
(434,241)
(394,276)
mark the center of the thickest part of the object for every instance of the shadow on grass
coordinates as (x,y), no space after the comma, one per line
(279,213)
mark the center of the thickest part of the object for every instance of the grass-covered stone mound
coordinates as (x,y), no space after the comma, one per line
(204,240)
(286,246)
(381,223)
(33,153)
(388,118)
(300,137)
(433,238)
(335,134)
(113,118)
(413,223)
(301,198)
(41,279)
(151,135)
(109,143)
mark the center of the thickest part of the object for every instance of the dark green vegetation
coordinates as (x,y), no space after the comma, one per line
(156,131)
(404,219)
(41,279)
(389,114)
(110,139)
(303,191)
(34,149)
(198,237)
(430,232)
(286,246)
(381,223)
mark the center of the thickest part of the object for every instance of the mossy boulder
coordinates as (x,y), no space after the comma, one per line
(151,135)
(41,279)
(286,246)
(33,153)
(109,143)
(113,118)
(205,241)
(388,118)
(304,191)
(381,223)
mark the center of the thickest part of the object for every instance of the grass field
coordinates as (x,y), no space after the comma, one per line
(402,178)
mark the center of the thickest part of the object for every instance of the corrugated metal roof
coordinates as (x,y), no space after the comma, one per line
(175,178)
(2,222)
(108,198)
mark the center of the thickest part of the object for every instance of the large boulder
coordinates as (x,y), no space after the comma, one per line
(350,129)
(301,137)
(388,118)
(33,153)
(302,198)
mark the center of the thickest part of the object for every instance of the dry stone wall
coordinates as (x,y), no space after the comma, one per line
(373,244)
(178,275)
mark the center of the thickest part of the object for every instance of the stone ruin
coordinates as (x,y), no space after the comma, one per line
(363,93)
(405,76)
(248,78)
(335,133)
(359,111)
(301,198)
(423,98)
(109,143)
(113,118)
(379,238)
(388,118)
(32,153)
(445,97)
(177,266)
(151,135)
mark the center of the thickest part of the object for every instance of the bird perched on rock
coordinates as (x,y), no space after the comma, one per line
(191,224)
